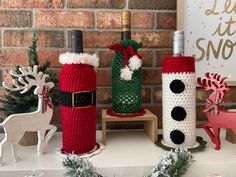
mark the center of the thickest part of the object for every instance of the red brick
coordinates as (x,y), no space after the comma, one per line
(152,4)
(112,20)
(0,38)
(50,55)
(103,95)
(2,96)
(143,20)
(166,21)
(146,95)
(147,58)
(201,95)
(9,58)
(97,39)
(2,92)
(110,4)
(157,95)
(6,77)
(230,95)
(201,116)
(106,58)
(160,39)
(18,38)
(32,4)
(100,39)
(15,18)
(161,54)
(151,76)
(64,19)
(103,77)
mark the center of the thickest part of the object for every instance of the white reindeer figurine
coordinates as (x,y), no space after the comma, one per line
(17,124)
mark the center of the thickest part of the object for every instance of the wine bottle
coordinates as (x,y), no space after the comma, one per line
(126,25)
(77,81)
(179,92)
(77,41)
(126,73)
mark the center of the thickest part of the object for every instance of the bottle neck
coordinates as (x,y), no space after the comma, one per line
(178,55)
(125,35)
(126,25)
(77,49)
(76,41)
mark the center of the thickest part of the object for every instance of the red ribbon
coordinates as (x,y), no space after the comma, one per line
(214,105)
(46,99)
(127,52)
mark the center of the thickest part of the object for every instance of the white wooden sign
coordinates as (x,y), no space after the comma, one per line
(210,35)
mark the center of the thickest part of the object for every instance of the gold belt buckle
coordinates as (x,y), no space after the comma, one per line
(73,98)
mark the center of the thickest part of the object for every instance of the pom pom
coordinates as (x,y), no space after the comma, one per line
(135,63)
(126,74)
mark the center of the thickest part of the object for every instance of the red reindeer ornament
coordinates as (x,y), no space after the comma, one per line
(217,118)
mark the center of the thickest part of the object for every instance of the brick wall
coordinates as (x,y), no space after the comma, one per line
(153,23)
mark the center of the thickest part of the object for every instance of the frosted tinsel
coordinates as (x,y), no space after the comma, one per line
(79,167)
(173,164)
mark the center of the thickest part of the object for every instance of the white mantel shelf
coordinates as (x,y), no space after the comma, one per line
(127,154)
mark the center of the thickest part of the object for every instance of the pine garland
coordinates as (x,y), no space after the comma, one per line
(173,164)
(79,167)
(15,102)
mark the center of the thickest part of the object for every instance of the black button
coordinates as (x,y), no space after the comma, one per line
(178,113)
(177,86)
(177,137)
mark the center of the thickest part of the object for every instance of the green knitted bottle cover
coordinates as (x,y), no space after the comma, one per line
(126,78)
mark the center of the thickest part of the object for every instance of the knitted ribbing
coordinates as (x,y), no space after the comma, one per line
(178,64)
(179,104)
(78,124)
(126,95)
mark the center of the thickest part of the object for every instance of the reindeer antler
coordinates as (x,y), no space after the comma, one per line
(25,83)
(214,82)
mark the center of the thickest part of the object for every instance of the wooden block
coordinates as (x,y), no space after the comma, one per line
(29,139)
(230,136)
(149,119)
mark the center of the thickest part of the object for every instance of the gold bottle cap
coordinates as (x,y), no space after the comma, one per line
(126,21)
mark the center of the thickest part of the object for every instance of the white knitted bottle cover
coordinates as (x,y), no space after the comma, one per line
(179,102)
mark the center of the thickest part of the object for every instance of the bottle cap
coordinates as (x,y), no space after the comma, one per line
(178,42)
(77,41)
(126,21)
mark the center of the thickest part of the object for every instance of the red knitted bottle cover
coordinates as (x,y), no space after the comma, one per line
(178,64)
(78,123)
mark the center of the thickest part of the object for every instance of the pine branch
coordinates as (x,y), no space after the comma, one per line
(173,164)
(32,53)
(184,160)
(79,167)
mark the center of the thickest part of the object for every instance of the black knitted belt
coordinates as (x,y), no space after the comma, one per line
(78,99)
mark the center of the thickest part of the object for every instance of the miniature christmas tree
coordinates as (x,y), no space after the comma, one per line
(15,102)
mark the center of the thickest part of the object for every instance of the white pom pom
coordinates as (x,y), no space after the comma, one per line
(135,63)
(126,74)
